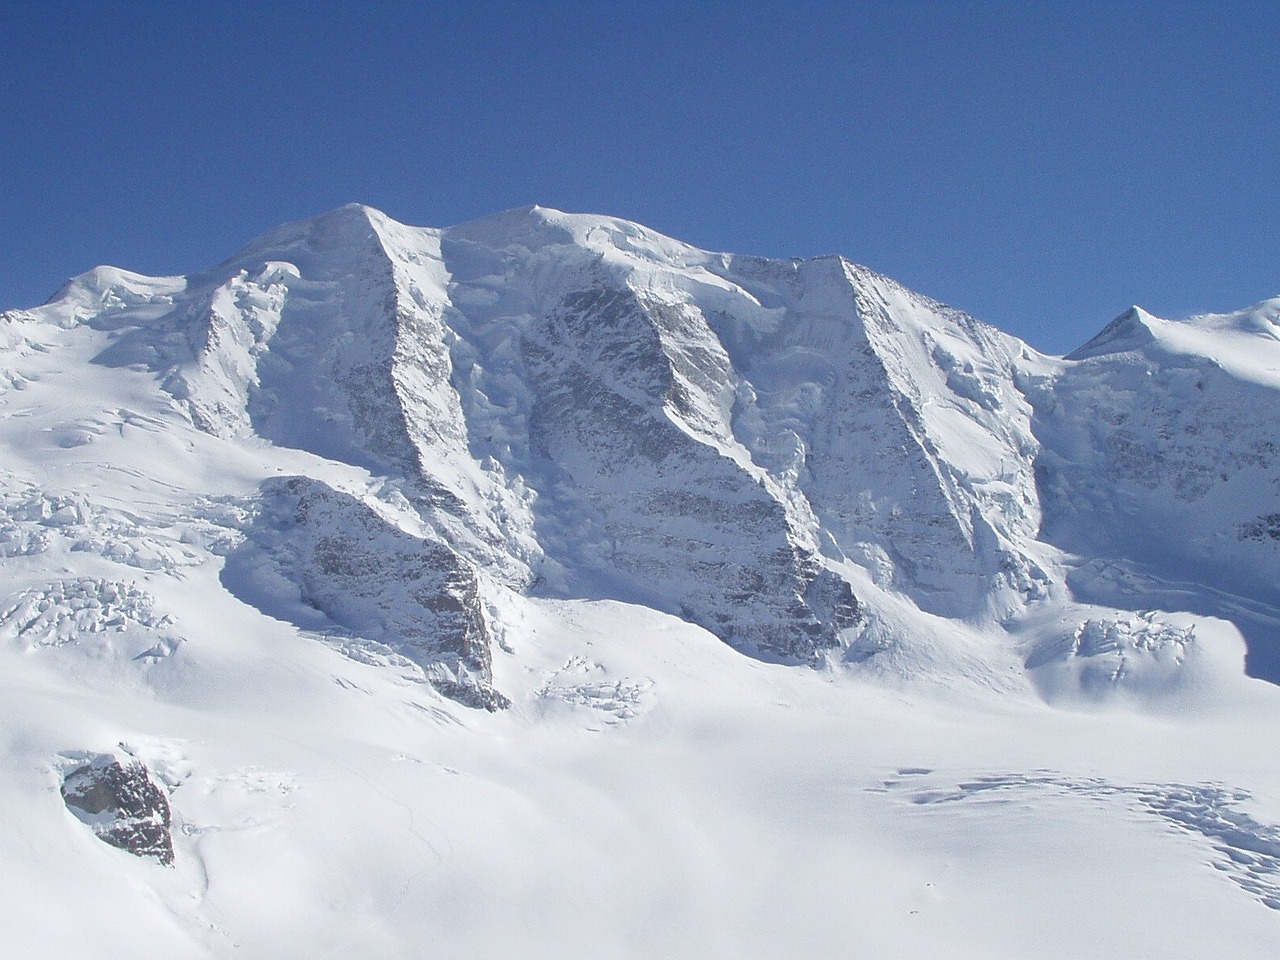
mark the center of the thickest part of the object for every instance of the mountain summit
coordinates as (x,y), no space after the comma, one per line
(544,581)
(804,458)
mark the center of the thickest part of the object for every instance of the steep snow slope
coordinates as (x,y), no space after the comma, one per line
(1161,466)
(397,557)
(804,457)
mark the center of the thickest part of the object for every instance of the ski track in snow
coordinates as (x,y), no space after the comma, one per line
(1248,851)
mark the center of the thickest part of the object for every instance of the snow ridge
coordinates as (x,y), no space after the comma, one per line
(357,586)
(576,406)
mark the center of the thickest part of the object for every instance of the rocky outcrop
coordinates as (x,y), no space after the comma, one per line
(122,806)
(575,406)
(626,395)
(364,575)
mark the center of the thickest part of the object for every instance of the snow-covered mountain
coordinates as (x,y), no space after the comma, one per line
(375,482)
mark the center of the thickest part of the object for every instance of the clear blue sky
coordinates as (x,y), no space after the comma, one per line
(1040,166)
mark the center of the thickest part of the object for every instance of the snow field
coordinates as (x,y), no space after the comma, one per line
(1036,737)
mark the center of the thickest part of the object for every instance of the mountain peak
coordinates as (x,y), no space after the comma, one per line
(1132,330)
(532,368)
(351,226)
(384,570)
(533,227)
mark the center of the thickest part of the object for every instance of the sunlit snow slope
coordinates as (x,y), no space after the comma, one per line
(353,543)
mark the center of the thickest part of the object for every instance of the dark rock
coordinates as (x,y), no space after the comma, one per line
(626,390)
(122,805)
(1261,528)
(373,580)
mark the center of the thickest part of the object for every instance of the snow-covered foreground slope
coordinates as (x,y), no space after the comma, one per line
(544,585)
(650,792)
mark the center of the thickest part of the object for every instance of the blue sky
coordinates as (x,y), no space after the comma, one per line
(1041,166)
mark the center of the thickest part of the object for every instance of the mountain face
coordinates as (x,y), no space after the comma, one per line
(803,458)
(540,581)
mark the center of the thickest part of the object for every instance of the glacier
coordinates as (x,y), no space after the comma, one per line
(394,494)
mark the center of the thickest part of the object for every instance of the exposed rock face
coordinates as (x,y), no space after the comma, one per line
(678,520)
(554,417)
(122,806)
(368,577)
(580,404)
(779,451)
